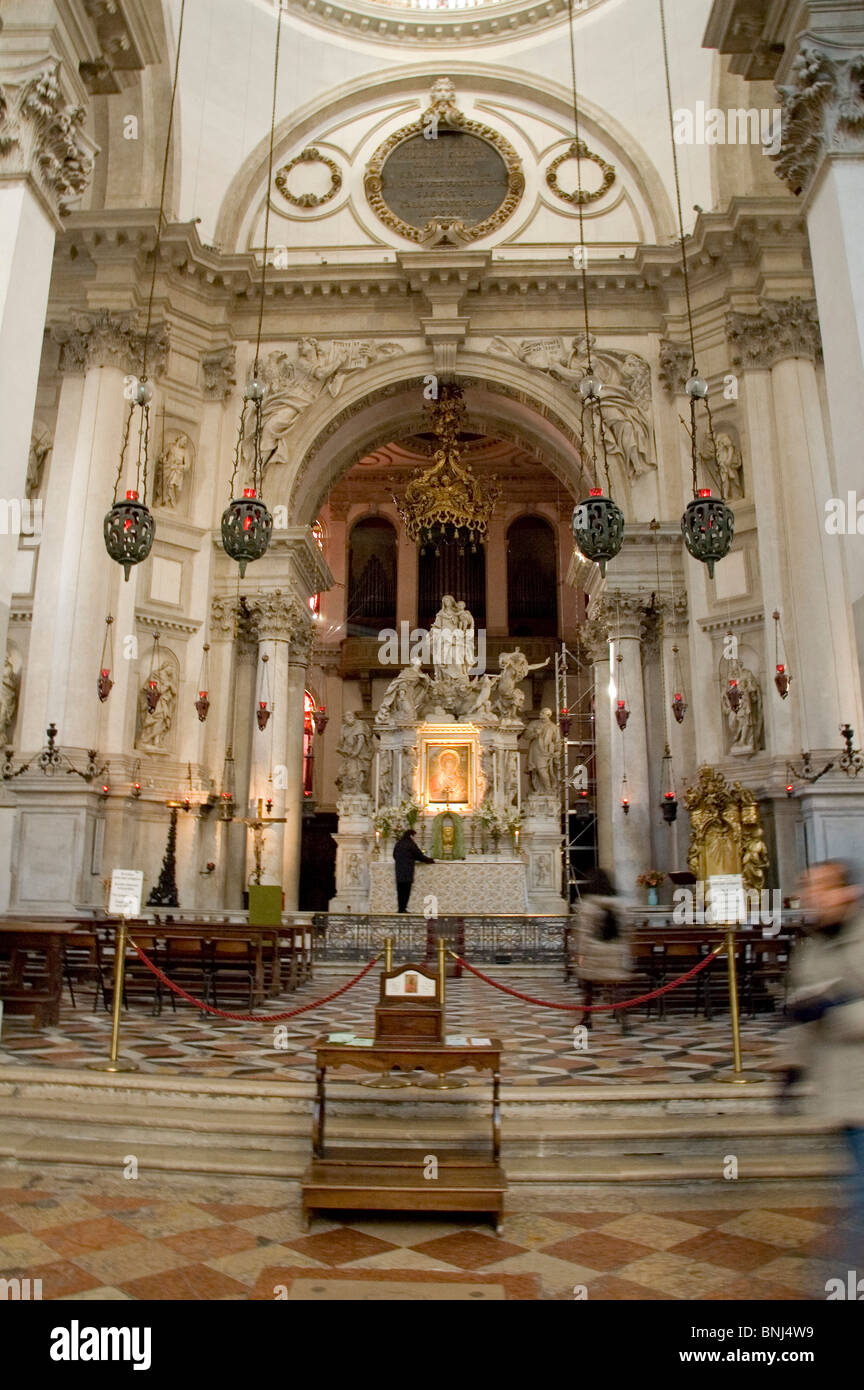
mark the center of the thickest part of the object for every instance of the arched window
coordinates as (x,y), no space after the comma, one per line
(371,577)
(532,588)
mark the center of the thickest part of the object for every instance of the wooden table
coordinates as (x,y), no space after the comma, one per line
(377,1179)
(49,938)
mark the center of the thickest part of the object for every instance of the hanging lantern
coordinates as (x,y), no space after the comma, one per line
(782,678)
(625,797)
(708,526)
(152,692)
(321,718)
(129,529)
(202,704)
(679,701)
(733,695)
(564,722)
(246,528)
(790,788)
(622,714)
(263,712)
(104,684)
(669,804)
(598,528)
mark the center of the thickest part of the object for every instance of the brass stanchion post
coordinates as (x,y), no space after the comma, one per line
(388,953)
(113,1063)
(443,1081)
(737,1074)
(442,972)
(388,1080)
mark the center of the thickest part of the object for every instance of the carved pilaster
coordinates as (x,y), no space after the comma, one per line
(218,373)
(782,328)
(42,137)
(595,637)
(103,339)
(674,369)
(823,111)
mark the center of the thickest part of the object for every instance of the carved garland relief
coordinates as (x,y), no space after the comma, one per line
(577,149)
(309,200)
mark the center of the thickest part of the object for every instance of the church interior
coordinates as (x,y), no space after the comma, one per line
(432,626)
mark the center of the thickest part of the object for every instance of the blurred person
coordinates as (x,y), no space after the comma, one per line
(406,854)
(826,1001)
(603,937)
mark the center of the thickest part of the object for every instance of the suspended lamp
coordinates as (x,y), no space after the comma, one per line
(708,524)
(247,525)
(782,678)
(669,804)
(202,704)
(679,701)
(128,528)
(152,691)
(597,521)
(321,718)
(622,713)
(104,684)
(263,712)
(625,796)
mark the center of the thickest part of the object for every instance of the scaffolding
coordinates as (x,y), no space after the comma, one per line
(574,696)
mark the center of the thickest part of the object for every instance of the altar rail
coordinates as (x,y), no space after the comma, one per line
(356,936)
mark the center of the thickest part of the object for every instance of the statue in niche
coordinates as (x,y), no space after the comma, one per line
(544,746)
(155,725)
(8,700)
(508,698)
(404,695)
(294,385)
(729,465)
(40,449)
(626,379)
(172,469)
(355,750)
(746,724)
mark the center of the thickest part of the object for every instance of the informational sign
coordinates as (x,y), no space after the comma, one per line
(726,903)
(127,886)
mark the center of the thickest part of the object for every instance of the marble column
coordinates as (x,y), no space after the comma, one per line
(46,162)
(595,636)
(631,841)
(822,160)
(285,634)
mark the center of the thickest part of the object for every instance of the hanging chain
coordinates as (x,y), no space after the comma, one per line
(684,266)
(269,184)
(158,245)
(579,190)
(123,447)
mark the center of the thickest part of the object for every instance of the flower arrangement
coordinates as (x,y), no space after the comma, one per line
(396,819)
(651,879)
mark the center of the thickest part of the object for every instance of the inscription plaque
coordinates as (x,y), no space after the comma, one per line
(456,176)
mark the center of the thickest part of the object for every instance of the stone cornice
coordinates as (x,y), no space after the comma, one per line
(754,618)
(404,24)
(186,627)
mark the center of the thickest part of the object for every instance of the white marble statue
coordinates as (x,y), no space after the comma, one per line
(405,694)
(452,638)
(508,698)
(544,745)
(746,724)
(154,726)
(8,701)
(355,750)
(172,470)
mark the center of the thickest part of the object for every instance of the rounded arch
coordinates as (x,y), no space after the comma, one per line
(372,572)
(504,398)
(312,120)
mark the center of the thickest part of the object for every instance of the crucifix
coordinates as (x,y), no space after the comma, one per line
(258,825)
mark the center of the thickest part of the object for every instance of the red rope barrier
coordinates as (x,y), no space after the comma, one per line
(591,1008)
(248,1018)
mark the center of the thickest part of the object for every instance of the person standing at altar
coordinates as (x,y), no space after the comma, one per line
(406,854)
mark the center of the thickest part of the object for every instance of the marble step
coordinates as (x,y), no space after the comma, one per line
(75,1153)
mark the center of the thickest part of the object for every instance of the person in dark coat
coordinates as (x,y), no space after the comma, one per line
(406,854)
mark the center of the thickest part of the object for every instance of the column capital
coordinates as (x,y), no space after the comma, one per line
(278,615)
(218,373)
(594,635)
(782,328)
(42,137)
(676,360)
(102,339)
(823,109)
(624,614)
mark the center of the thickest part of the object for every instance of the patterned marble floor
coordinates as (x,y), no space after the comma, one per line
(102,1238)
(539,1043)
